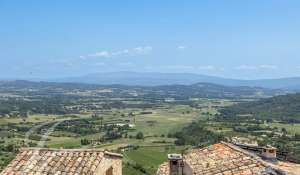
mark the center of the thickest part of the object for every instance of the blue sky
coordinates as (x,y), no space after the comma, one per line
(229,38)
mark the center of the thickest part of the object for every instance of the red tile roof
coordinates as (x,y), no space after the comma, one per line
(225,159)
(51,161)
(221,158)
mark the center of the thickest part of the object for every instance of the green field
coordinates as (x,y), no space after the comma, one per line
(149,157)
(291,128)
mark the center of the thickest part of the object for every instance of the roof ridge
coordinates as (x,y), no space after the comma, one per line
(72,150)
(236,148)
(256,157)
(57,149)
(113,154)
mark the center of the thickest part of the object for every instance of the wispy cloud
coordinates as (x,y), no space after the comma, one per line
(259,67)
(213,70)
(268,66)
(181,47)
(104,54)
(141,50)
(82,57)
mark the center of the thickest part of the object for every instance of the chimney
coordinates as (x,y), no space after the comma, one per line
(176,164)
(269,152)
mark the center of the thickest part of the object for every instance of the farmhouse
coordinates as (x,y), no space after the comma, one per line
(226,159)
(70,162)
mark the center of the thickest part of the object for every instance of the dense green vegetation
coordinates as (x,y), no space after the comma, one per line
(20,107)
(7,153)
(284,108)
(196,134)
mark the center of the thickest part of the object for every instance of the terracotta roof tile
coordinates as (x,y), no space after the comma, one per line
(223,159)
(51,161)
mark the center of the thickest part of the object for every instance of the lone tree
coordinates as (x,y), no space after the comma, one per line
(139,135)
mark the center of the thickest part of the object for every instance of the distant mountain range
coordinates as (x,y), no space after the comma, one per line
(156,79)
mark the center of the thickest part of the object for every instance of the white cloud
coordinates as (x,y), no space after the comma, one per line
(246,67)
(82,57)
(122,52)
(103,54)
(141,50)
(259,67)
(181,47)
(268,66)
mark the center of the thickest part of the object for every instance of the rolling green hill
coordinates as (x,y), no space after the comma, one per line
(283,108)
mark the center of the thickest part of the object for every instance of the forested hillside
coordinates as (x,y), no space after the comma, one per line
(283,108)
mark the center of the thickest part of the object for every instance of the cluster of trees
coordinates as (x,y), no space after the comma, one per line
(77,126)
(247,128)
(85,142)
(137,167)
(113,132)
(196,134)
(7,153)
(284,108)
(205,90)
(20,107)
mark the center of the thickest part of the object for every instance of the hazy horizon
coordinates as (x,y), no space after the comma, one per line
(68,78)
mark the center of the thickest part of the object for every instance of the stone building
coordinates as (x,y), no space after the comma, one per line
(61,161)
(227,159)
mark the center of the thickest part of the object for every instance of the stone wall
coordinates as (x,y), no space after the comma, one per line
(108,162)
